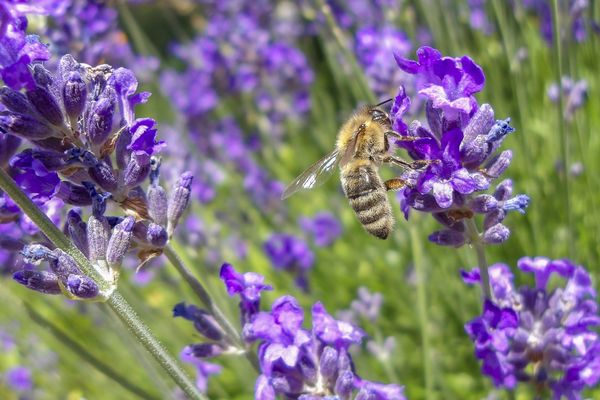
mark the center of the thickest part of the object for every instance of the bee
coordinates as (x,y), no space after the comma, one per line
(362,147)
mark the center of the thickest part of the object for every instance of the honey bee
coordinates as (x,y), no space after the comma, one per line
(362,146)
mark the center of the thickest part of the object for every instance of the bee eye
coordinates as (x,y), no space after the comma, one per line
(378,115)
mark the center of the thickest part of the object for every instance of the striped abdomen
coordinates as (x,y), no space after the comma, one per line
(368,198)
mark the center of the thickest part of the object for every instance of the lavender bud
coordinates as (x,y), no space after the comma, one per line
(64,265)
(121,149)
(498,164)
(98,233)
(496,234)
(82,286)
(100,120)
(483,203)
(25,126)
(203,321)
(41,75)
(77,230)
(40,281)
(157,204)
(74,95)
(179,199)
(137,169)
(518,203)
(504,190)
(480,124)
(500,129)
(103,175)
(36,253)
(119,242)
(156,235)
(73,194)
(344,385)
(448,238)
(205,350)
(46,105)
(494,217)
(15,101)
(328,362)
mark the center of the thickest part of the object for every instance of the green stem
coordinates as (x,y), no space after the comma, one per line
(564,139)
(418,259)
(232,335)
(116,302)
(479,246)
(80,350)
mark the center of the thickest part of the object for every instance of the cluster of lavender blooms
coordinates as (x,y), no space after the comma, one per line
(459,147)
(576,18)
(294,362)
(293,254)
(538,335)
(80,145)
(241,52)
(574,93)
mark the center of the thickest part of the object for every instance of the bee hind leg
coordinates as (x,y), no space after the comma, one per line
(395,184)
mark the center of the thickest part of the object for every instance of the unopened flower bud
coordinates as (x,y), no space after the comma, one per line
(100,120)
(157,204)
(203,321)
(137,169)
(46,105)
(40,281)
(82,286)
(496,234)
(77,230)
(103,175)
(98,233)
(25,126)
(119,242)
(74,95)
(179,199)
(448,237)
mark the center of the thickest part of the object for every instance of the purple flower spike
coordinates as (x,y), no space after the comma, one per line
(534,334)
(324,228)
(459,149)
(248,286)
(292,254)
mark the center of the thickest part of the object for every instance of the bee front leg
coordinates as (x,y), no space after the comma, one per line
(400,137)
(419,164)
(395,184)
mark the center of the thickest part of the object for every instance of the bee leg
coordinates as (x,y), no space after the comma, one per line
(419,164)
(395,184)
(400,137)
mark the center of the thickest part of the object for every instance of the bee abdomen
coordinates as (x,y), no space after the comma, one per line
(374,212)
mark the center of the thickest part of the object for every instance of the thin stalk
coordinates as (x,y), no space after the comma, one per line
(419,262)
(82,352)
(564,139)
(116,302)
(232,335)
(479,247)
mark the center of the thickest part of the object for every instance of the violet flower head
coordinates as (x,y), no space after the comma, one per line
(19,379)
(309,364)
(575,94)
(78,118)
(538,335)
(289,253)
(324,228)
(459,150)
(248,285)
(204,369)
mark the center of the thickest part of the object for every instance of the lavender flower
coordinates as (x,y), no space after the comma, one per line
(19,379)
(575,94)
(577,19)
(204,369)
(315,364)
(538,335)
(459,150)
(77,118)
(324,228)
(291,254)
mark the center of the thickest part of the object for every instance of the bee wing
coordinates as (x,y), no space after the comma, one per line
(313,176)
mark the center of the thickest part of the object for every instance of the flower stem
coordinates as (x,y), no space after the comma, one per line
(116,302)
(564,138)
(418,259)
(479,246)
(232,335)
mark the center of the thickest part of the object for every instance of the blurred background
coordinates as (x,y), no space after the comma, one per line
(248,94)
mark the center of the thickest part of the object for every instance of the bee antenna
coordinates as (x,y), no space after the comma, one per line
(383,102)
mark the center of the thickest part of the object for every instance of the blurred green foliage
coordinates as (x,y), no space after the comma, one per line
(516,87)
